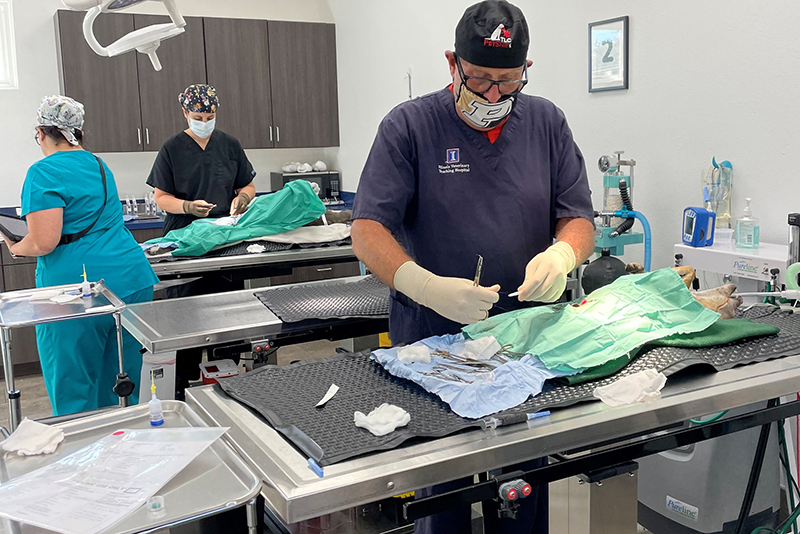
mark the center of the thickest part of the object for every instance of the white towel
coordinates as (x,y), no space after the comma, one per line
(383,419)
(643,386)
(414,353)
(482,348)
(32,438)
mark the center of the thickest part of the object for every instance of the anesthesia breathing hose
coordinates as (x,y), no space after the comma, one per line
(647,237)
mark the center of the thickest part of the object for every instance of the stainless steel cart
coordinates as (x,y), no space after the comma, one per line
(28,307)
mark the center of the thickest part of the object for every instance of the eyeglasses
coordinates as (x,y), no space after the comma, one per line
(36,138)
(483,85)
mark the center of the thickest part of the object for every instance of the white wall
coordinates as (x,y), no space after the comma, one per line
(707,78)
(38,76)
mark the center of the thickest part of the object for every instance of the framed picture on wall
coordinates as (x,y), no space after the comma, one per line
(608,55)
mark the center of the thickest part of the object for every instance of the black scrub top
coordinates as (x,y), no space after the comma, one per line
(188,172)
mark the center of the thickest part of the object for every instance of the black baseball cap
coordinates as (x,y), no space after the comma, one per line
(493,34)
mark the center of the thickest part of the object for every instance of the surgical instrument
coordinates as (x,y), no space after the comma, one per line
(514,294)
(478,271)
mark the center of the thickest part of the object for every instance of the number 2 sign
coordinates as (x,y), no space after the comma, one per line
(608,55)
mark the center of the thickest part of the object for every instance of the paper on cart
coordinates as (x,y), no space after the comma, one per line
(89,491)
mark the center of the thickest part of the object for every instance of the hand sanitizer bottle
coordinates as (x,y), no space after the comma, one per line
(747,229)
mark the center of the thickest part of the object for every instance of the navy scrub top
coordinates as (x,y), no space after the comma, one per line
(71,180)
(448,194)
(188,172)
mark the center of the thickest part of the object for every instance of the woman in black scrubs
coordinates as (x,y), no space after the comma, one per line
(200,172)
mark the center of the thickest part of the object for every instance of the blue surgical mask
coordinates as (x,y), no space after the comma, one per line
(202,129)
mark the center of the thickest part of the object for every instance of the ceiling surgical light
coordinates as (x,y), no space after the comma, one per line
(144,40)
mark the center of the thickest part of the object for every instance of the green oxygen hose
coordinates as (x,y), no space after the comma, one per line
(717,417)
(791,521)
(784,462)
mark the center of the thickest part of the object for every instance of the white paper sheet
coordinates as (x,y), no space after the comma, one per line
(98,486)
(329,395)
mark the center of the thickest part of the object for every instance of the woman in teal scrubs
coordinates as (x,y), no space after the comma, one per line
(71,223)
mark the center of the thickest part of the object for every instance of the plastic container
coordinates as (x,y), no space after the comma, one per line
(343,522)
(162,366)
(156,411)
(212,371)
(747,229)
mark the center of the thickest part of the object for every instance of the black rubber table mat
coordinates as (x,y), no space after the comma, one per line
(240,249)
(670,360)
(286,396)
(366,298)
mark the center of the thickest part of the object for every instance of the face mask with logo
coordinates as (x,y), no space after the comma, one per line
(482,113)
(202,129)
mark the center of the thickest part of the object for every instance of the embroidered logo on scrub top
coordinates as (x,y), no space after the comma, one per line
(453,163)
(500,38)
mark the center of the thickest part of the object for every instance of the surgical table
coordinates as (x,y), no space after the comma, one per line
(253,265)
(602,443)
(222,318)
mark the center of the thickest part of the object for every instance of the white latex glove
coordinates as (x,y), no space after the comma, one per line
(546,274)
(455,298)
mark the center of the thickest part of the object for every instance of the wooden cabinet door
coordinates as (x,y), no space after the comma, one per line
(303,78)
(184,63)
(237,59)
(107,87)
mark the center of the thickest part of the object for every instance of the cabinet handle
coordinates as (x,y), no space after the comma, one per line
(324,269)
(278,132)
(270,133)
(147,134)
(139,133)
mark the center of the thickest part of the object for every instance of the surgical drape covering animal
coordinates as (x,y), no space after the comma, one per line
(292,207)
(608,323)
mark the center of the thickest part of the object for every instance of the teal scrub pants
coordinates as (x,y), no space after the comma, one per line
(80,361)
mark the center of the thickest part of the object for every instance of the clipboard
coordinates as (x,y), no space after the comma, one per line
(13,227)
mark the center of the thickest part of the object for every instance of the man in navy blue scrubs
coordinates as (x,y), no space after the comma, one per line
(476,168)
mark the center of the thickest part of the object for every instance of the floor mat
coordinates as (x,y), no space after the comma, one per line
(286,396)
(368,297)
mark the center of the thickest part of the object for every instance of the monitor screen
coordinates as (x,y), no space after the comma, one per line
(688,225)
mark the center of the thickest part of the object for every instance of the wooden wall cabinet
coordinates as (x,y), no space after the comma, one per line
(277,81)
(184,63)
(237,61)
(129,106)
(108,87)
(305,104)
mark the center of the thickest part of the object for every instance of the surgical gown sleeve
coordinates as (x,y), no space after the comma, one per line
(161,175)
(42,191)
(245,172)
(572,197)
(388,181)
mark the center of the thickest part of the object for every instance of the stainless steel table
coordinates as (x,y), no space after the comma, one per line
(295,493)
(176,324)
(310,256)
(18,310)
(216,481)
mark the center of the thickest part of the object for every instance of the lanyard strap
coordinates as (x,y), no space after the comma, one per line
(71,238)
